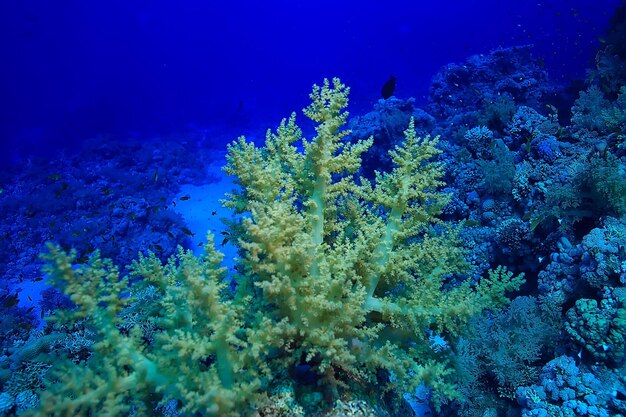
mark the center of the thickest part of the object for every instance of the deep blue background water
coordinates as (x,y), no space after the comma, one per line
(72,69)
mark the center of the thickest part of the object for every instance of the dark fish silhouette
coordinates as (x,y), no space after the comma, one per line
(187,231)
(9,300)
(389,87)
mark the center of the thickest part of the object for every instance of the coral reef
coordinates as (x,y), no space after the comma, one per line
(459,92)
(364,280)
(564,391)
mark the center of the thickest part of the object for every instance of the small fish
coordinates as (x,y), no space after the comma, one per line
(29,299)
(214,212)
(187,231)
(170,234)
(11,301)
(30,309)
(225,241)
(174,203)
(42,314)
(158,247)
(200,243)
(540,258)
(601,39)
(54,177)
(225,233)
(389,87)
(185,197)
(39,278)
(156,175)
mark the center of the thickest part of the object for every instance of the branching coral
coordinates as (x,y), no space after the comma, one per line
(342,275)
(198,354)
(345,264)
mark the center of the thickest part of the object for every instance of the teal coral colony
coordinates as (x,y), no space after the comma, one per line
(341,275)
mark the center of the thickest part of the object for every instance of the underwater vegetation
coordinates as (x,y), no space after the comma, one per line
(341,277)
(464,258)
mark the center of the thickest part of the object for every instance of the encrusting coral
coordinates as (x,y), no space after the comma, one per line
(337,273)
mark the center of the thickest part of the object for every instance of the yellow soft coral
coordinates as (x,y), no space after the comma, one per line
(351,269)
(200,356)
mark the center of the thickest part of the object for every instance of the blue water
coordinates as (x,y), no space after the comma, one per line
(76,69)
(341,291)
